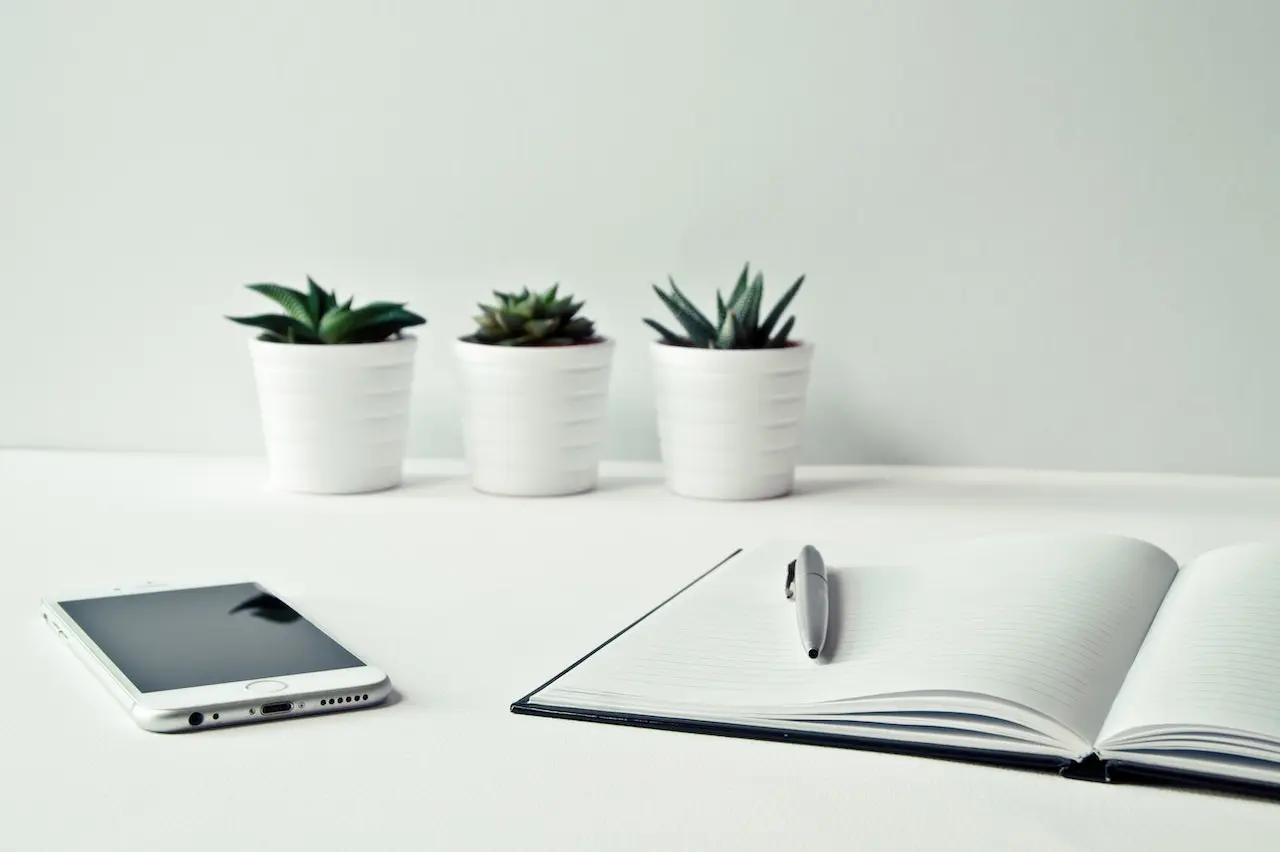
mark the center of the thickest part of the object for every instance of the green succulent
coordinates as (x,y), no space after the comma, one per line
(317,317)
(738,324)
(532,319)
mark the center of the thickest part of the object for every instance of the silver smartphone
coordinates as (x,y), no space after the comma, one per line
(192,658)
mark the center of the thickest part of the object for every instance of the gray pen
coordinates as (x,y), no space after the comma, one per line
(807,580)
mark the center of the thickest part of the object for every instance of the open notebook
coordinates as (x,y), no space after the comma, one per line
(1092,654)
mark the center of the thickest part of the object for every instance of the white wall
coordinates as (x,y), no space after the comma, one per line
(1041,234)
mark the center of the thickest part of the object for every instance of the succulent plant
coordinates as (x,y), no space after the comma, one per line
(738,324)
(533,319)
(317,317)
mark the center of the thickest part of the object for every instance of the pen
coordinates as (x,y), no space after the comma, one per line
(809,575)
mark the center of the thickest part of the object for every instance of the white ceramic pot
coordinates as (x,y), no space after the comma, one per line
(335,418)
(729,420)
(533,416)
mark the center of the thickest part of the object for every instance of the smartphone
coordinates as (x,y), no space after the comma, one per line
(191,658)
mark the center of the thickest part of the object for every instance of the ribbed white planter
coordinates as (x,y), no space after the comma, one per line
(533,416)
(729,420)
(335,418)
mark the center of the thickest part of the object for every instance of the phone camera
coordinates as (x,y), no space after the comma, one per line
(196,718)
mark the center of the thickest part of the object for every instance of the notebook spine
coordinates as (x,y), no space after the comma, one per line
(1124,772)
(1091,768)
(1011,760)
(1094,768)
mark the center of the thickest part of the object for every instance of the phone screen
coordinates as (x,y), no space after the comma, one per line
(182,638)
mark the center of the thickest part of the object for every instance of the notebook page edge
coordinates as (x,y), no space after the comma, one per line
(525,700)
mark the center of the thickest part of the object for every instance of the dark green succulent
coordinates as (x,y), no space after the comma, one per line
(738,324)
(317,317)
(532,319)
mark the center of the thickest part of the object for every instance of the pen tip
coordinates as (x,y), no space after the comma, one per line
(813,653)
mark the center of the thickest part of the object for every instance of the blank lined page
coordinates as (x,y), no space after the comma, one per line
(1212,658)
(1048,622)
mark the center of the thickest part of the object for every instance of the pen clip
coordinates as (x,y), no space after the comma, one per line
(791,580)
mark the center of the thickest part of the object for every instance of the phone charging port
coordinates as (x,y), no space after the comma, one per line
(277,707)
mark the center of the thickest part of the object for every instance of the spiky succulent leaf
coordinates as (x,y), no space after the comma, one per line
(668,336)
(279,326)
(579,328)
(317,302)
(706,328)
(693,322)
(384,306)
(510,321)
(316,317)
(766,327)
(736,300)
(738,324)
(780,339)
(728,337)
(337,324)
(375,321)
(538,328)
(528,306)
(749,309)
(382,325)
(293,302)
(741,286)
(532,319)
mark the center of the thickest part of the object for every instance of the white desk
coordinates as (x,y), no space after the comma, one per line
(448,766)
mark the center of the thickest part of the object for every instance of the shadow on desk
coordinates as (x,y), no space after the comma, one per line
(933,487)
(828,487)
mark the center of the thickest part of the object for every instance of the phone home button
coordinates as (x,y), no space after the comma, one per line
(266,686)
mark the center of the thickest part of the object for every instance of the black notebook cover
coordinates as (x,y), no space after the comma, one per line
(1089,769)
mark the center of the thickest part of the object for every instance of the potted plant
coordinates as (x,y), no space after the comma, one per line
(730,394)
(535,383)
(334,386)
